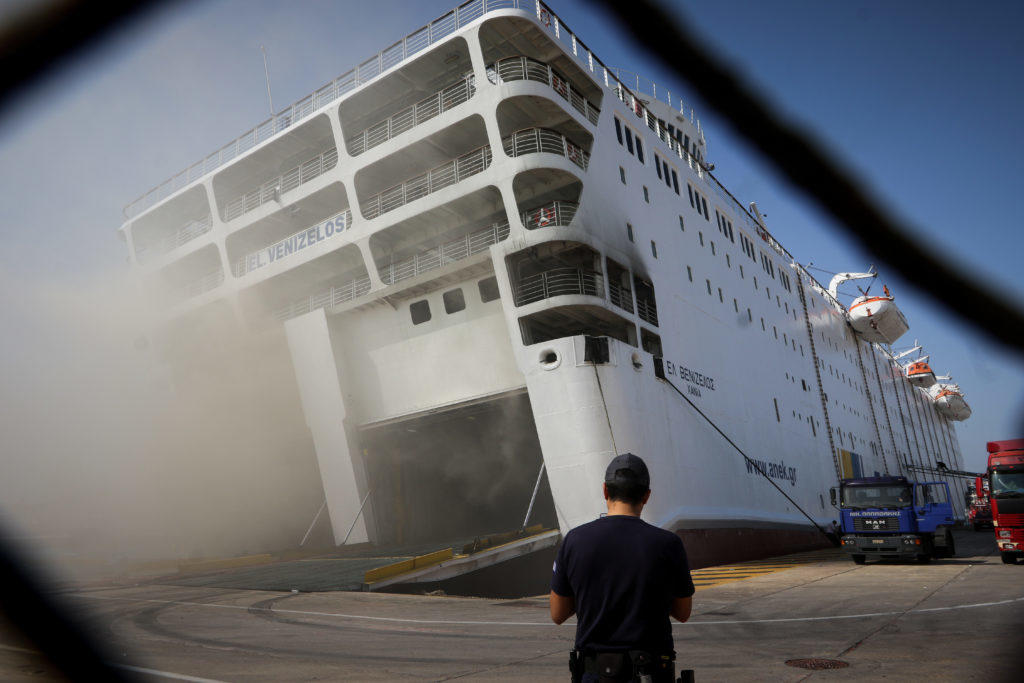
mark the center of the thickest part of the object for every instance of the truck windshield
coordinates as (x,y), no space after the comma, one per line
(1008,484)
(876,496)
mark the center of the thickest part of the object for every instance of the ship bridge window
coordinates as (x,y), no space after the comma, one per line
(419,311)
(629,140)
(675,181)
(454,301)
(618,129)
(488,289)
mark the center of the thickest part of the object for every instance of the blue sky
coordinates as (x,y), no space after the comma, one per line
(921,100)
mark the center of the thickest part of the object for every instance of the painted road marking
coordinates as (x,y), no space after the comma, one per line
(714,576)
(465,622)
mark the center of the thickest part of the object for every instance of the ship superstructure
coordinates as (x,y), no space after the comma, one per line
(474,246)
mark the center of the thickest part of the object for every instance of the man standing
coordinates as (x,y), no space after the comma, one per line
(623,578)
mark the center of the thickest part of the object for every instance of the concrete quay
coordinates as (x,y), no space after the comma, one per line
(958,619)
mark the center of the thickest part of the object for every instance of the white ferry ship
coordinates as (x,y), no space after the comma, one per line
(474,246)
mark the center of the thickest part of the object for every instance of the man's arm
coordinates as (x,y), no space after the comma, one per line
(563,607)
(680,610)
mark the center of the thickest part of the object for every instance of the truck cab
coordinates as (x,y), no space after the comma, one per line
(1006,494)
(893,518)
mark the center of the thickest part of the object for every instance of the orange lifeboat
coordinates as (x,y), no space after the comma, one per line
(920,374)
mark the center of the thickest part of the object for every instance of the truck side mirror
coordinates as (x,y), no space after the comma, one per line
(832,495)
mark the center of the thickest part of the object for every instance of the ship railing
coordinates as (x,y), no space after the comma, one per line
(415,42)
(449,252)
(620,296)
(326,299)
(547,215)
(185,233)
(435,179)
(534,140)
(254,259)
(200,285)
(559,282)
(410,117)
(274,188)
(524,68)
(647,310)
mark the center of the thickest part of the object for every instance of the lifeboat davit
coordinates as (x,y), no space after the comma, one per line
(877,319)
(920,374)
(951,404)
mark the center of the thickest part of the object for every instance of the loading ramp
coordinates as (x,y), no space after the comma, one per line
(376,568)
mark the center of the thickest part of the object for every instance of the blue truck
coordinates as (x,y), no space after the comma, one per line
(893,518)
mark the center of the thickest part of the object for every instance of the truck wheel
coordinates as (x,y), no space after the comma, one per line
(1009,558)
(924,559)
(858,559)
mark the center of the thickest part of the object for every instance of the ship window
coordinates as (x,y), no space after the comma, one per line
(675,181)
(618,130)
(709,286)
(742,276)
(629,140)
(682,226)
(420,311)
(639,150)
(750,318)
(704,202)
(728,262)
(712,247)
(654,249)
(657,166)
(488,289)
(622,175)
(763,328)
(775,331)
(778,418)
(755,282)
(629,231)
(721,299)
(454,301)
(686,144)
(689,273)
(736,305)
(647,195)
(689,191)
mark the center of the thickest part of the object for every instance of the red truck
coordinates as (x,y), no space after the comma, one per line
(979,509)
(1006,493)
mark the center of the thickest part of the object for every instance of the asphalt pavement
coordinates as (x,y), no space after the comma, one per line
(957,619)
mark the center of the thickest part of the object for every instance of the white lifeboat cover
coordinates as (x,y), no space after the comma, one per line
(951,404)
(877,319)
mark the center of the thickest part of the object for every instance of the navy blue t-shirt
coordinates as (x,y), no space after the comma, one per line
(623,574)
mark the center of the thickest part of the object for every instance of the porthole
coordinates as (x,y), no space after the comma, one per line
(549,359)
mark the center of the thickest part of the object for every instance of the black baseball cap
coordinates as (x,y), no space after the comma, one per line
(632,463)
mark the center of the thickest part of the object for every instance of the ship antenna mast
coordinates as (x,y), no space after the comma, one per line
(266,72)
